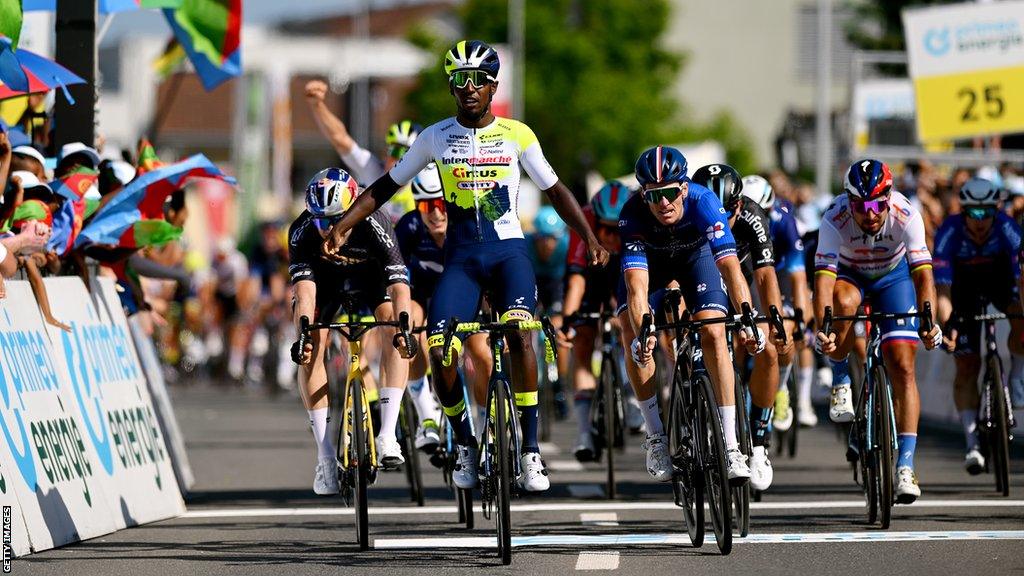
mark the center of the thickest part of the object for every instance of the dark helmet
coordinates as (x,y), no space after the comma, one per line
(724,181)
(868,179)
(472,55)
(661,165)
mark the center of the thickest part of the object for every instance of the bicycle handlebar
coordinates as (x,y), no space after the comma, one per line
(925,315)
(544,324)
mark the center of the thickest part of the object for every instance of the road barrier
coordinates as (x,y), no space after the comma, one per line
(83,453)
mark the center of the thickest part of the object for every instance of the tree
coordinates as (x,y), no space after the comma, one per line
(598,84)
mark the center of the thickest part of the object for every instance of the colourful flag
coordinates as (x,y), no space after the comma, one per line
(31,210)
(210,31)
(10,20)
(155,232)
(147,158)
(170,60)
(74,187)
(105,6)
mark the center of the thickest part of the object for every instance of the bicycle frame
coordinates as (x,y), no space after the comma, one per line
(867,395)
(499,377)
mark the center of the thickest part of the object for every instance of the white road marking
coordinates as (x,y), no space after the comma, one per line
(565,465)
(599,519)
(597,561)
(586,489)
(549,448)
(682,539)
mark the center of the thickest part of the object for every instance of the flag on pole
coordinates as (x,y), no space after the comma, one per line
(10,20)
(210,31)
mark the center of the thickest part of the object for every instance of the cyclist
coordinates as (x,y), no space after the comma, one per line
(591,289)
(421,235)
(479,156)
(368,272)
(676,230)
(548,246)
(749,224)
(976,263)
(872,245)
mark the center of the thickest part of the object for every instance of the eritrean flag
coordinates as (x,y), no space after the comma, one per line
(31,210)
(127,220)
(147,158)
(210,31)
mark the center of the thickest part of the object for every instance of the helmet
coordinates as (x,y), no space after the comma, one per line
(427,184)
(868,179)
(724,181)
(609,200)
(330,193)
(978,192)
(660,165)
(548,223)
(403,133)
(759,190)
(471,55)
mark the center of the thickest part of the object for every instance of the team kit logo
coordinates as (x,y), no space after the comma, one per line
(715,231)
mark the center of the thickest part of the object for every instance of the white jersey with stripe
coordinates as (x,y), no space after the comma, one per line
(841,242)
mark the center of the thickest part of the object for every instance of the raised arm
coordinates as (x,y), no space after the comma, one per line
(330,125)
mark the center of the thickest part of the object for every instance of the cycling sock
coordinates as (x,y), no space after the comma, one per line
(907,442)
(390,406)
(424,400)
(581,402)
(784,372)
(458,417)
(840,372)
(319,421)
(728,415)
(804,377)
(649,408)
(759,418)
(526,403)
(969,419)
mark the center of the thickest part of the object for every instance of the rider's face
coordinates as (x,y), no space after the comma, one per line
(871,219)
(668,213)
(609,238)
(472,100)
(979,227)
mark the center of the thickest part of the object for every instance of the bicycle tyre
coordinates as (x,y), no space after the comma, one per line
(884,455)
(687,483)
(504,489)
(794,409)
(361,456)
(716,478)
(999,434)
(741,494)
(546,394)
(413,471)
(608,383)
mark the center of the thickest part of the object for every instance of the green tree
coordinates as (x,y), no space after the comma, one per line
(598,84)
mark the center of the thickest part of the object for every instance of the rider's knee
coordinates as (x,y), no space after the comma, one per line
(712,335)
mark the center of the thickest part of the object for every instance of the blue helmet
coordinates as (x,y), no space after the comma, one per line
(868,179)
(661,165)
(548,223)
(609,200)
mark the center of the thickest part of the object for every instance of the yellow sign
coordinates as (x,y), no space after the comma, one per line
(970,104)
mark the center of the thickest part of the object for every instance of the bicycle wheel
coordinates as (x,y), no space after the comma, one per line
(413,472)
(504,472)
(716,478)
(687,484)
(360,456)
(794,408)
(608,384)
(883,432)
(546,394)
(998,428)
(741,494)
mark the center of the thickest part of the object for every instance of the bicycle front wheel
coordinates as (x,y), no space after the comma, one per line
(503,443)
(741,494)
(687,483)
(610,406)
(883,430)
(998,428)
(716,477)
(360,456)
(413,472)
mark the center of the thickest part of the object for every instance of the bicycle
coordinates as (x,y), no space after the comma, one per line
(872,439)
(995,412)
(407,423)
(607,410)
(500,447)
(787,441)
(357,453)
(445,457)
(696,438)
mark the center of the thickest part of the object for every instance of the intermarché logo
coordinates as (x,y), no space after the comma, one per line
(973,37)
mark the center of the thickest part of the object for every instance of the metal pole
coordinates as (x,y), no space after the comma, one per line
(517,38)
(76,50)
(823,117)
(361,120)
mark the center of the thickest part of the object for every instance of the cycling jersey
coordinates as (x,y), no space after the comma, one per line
(554,266)
(842,241)
(480,175)
(422,255)
(753,241)
(601,281)
(366,168)
(789,248)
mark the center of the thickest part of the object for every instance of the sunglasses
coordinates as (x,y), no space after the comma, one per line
(427,206)
(980,212)
(397,151)
(326,223)
(876,206)
(479,78)
(669,193)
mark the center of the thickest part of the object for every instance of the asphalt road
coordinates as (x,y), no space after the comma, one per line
(252,511)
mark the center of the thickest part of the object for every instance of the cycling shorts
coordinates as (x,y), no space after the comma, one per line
(974,288)
(698,277)
(502,268)
(358,294)
(893,293)
(550,293)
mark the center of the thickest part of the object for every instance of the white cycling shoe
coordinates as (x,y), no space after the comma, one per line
(807,417)
(841,408)
(659,465)
(907,489)
(389,453)
(427,436)
(974,462)
(738,470)
(761,472)
(782,420)
(533,476)
(325,478)
(464,475)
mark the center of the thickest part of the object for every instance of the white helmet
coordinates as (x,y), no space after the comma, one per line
(759,190)
(427,184)
(979,192)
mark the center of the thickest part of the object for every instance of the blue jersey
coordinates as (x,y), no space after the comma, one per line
(704,224)
(789,248)
(422,255)
(553,267)
(955,250)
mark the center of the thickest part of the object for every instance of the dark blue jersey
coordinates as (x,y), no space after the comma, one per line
(954,250)
(789,248)
(421,253)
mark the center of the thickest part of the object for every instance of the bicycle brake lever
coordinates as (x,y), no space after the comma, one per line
(645,331)
(927,322)
(776,320)
(826,321)
(550,354)
(446,350)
